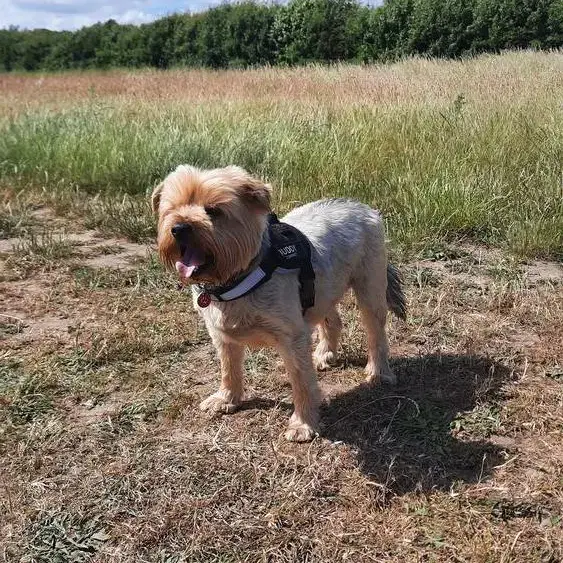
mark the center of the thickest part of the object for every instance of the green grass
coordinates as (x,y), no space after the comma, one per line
(26,396)
(37,250)
(467,164)
(14,216)
(43,246)
(65,537)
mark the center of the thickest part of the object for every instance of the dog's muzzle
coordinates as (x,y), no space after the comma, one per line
(181,232)
(192,258)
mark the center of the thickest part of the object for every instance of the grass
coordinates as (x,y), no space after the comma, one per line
(457,157)
(63,537)
(10,224)
(44,246)
(104,454)
(127,216)
(14,214)
(106,457)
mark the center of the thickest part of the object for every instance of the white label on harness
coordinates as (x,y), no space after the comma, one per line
(288,251)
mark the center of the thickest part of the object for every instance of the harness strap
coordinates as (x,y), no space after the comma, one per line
(294,252)
(289,250)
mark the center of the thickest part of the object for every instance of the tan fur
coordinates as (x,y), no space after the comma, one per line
(244,202)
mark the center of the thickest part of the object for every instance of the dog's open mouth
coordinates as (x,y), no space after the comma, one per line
(191,262)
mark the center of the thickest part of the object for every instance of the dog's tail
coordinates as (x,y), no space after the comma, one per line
(395,297)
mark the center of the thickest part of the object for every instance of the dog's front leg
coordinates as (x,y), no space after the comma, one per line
(296,354)
(230,394)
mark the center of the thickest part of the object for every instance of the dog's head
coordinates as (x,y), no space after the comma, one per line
(210,222)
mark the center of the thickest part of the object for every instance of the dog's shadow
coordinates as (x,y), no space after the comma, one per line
(411,437)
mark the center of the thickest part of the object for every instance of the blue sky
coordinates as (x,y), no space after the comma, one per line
(73,14)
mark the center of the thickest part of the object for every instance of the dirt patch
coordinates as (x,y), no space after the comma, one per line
(541,271)
(451,270)
(98,252)
(115,261)
(91,410)
(23,296)
(37,328)
(115,253)
(480,266)
(505,442)
(524,339)
(29,306)
(7,244)
(43,214)
(23,327)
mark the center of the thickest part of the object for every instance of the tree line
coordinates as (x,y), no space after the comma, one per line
(251,33)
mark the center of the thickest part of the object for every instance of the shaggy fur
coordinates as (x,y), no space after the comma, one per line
(226,210)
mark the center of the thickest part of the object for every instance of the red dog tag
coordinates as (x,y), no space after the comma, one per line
(203,300)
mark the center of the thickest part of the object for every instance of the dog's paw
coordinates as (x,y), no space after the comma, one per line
(220,402)
(374,375)
(300,432)
(323,360)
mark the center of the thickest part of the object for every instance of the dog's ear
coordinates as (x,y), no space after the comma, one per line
(155,197)
(258,194)
(252,190)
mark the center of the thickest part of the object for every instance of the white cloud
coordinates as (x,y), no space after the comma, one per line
(73,14)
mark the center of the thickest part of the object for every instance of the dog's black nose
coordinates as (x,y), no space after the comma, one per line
(181,230)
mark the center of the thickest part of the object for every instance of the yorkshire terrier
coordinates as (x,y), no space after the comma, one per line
(257,282)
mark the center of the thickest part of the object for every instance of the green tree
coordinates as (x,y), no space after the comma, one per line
(8,41)
(186,40)
(213,47)
(554,25)
(391,28)
(160,42)
(249,33)
(440,28)
(317,30)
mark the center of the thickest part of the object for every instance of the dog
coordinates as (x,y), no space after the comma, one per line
(214,229)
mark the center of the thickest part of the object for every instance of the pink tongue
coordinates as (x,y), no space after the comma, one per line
(191,259)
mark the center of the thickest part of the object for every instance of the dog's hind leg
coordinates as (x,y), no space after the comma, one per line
(296,354)
(370,289)
(230,394)
(329,335)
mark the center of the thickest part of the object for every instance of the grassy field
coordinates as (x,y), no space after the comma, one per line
(104,455)
(446,150)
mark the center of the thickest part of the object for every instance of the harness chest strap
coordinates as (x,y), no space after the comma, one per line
(289,250)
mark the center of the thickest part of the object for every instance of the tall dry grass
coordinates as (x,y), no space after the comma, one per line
(488,79)
(446,149)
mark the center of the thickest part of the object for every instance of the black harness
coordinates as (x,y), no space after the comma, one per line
(289,250)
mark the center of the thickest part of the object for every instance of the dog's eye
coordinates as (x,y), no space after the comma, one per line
(213,212)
